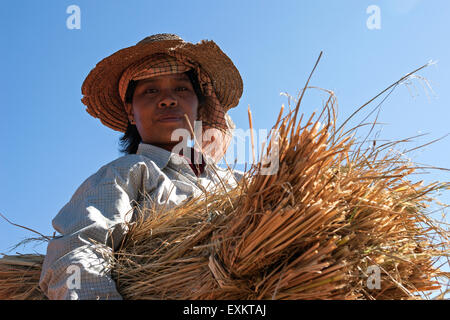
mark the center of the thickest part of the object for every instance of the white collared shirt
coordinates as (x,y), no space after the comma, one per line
(74,267)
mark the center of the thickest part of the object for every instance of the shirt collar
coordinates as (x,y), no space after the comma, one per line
(161,156)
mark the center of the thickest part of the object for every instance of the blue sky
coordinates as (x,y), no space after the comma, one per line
(50,145)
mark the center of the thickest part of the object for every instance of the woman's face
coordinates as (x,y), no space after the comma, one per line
(159,105)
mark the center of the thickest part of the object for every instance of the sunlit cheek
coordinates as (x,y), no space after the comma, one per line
(143,110)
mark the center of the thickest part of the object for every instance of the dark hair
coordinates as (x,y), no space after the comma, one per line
(129,142)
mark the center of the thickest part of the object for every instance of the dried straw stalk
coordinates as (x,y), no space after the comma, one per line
(309,231)
(19,277)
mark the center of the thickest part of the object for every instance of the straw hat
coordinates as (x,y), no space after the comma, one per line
(100,89)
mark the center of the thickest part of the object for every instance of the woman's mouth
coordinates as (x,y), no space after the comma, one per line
(171,119)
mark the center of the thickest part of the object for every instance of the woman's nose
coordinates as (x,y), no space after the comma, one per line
(168,101)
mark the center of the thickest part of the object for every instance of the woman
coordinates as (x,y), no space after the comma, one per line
(159,93)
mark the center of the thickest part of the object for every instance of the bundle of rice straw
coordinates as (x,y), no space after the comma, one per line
(19,277)
(316,229)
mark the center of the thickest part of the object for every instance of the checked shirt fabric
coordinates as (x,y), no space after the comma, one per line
(94,221)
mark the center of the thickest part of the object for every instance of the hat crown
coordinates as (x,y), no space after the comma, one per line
(160,37)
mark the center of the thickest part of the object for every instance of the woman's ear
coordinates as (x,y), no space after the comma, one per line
(129,111)
(199,112)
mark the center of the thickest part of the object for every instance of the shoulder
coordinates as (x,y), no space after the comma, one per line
(126,171)
(130,163)
(123,166)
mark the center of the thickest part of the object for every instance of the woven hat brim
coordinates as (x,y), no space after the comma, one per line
(100,88)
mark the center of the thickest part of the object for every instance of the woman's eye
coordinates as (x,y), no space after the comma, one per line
(147,91)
